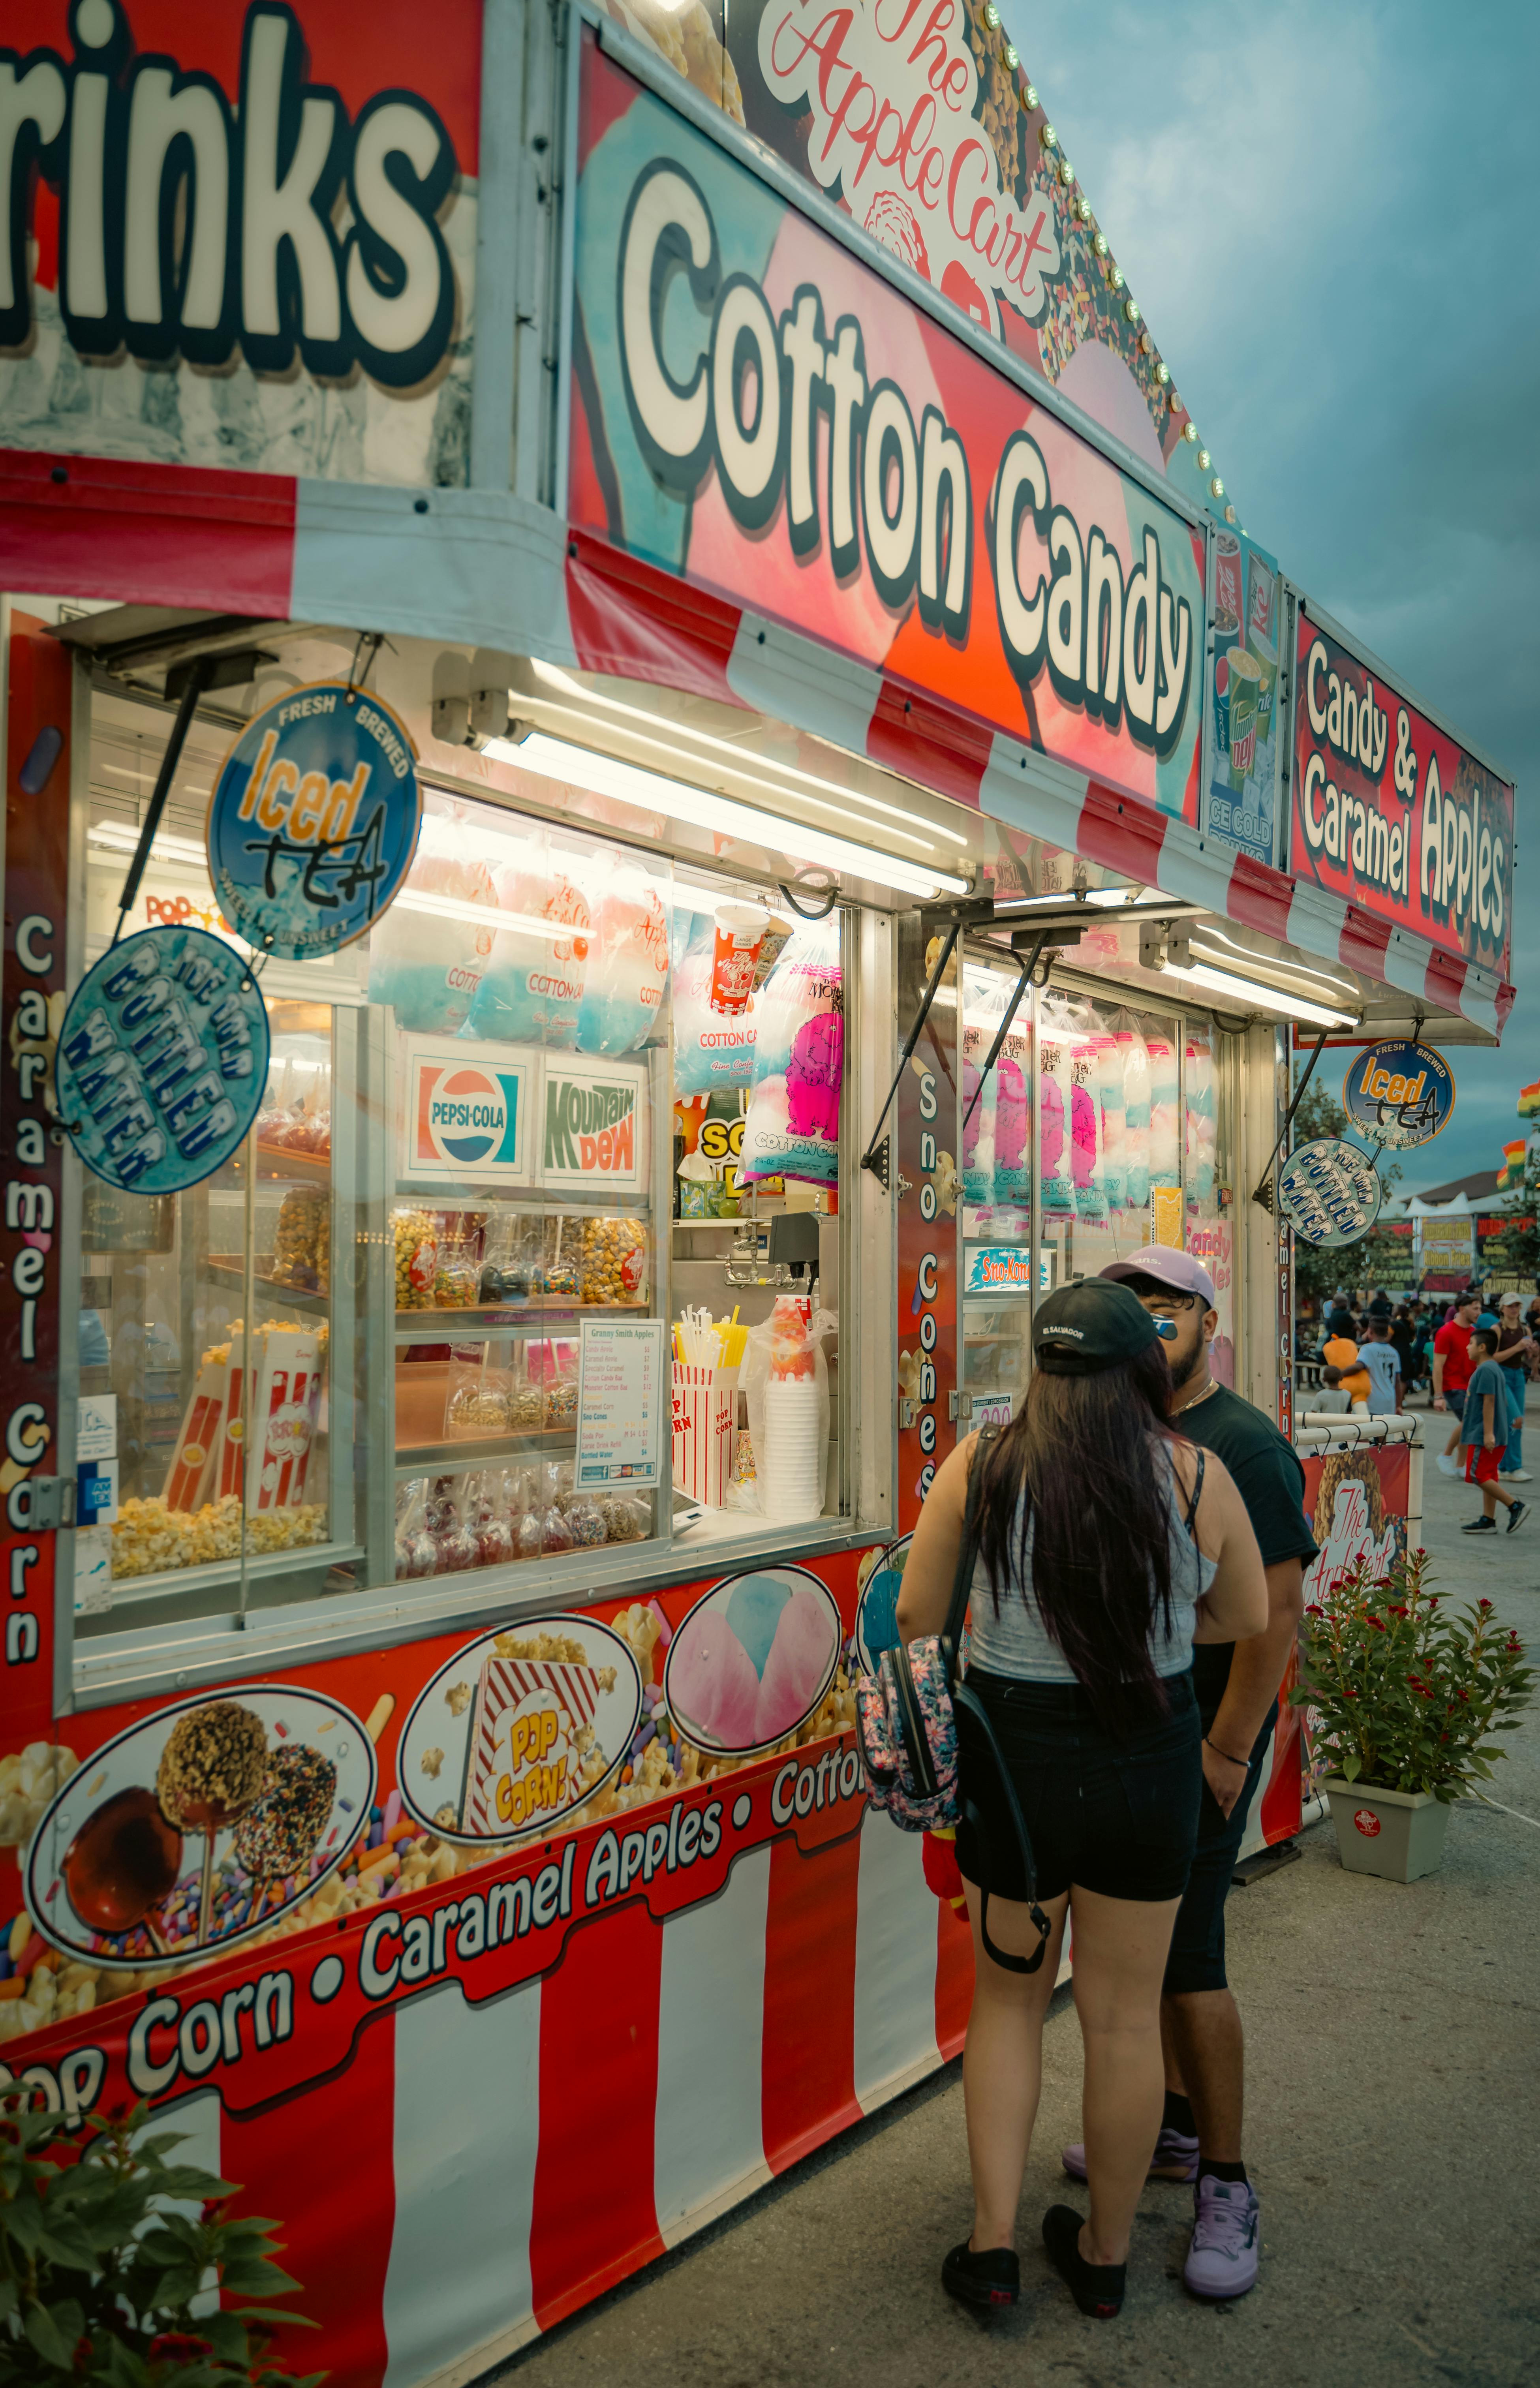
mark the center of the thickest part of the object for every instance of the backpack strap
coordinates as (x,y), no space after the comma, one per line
(962,1582)
(1190,1521)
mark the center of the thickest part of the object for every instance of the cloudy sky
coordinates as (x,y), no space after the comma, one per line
(1327,213)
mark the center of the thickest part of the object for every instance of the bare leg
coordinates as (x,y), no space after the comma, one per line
(1203,2030)
(1120,1951)
(1003,2061)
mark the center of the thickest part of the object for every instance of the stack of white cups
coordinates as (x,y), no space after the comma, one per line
(791,1466)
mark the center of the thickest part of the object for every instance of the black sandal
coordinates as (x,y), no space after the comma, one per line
(985,2282)
(1098,2288)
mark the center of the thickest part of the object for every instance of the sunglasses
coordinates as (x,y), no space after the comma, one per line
(1165,1328)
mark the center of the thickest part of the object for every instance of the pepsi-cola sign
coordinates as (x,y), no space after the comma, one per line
(162,1060)
(464,1112)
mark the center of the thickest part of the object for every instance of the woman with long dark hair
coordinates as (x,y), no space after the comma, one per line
(1108,1546)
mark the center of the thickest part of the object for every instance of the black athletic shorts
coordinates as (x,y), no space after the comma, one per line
(1118,1817)
(1197,1958)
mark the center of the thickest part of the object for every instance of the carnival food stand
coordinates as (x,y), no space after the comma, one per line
(496,789)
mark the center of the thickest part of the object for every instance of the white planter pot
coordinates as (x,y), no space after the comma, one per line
(1398,1834)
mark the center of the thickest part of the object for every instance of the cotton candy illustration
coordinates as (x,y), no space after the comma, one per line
(1114,1120)
(1085,1073)
(752,1660)
(712,1049)
(1055,1094)
(793,1124)
(1012,1131)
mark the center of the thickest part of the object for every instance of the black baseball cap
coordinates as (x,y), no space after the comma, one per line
(1089,1326)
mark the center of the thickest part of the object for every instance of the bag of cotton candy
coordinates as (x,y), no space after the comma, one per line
(792,1125)
(428,963)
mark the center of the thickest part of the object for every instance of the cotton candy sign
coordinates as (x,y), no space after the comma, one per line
(752,1660)
(793,1128)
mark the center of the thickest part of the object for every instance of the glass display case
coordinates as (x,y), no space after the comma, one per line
(524,1105)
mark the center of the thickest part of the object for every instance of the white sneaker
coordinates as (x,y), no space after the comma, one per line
(1517,1475)
(1449,1467)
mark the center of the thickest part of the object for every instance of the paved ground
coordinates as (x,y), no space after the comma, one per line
(1393,2048)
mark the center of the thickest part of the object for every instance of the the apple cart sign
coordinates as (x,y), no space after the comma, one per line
(313,821)
(162,1060)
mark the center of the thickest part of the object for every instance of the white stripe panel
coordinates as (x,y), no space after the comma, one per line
(708,2145)
(1316,919)
(466,2133)
(776,672)
(480,564)
(1034,794)
(896,1944)
(1479,999)
(1405,963)
(1197,870)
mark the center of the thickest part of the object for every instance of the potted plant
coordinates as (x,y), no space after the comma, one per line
(1403,1693)
(105,2274)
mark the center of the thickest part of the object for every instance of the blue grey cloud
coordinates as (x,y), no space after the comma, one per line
(1329,217)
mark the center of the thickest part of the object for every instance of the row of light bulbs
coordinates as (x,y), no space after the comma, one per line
(1080,206)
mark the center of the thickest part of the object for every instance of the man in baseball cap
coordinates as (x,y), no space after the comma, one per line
(1237,1686)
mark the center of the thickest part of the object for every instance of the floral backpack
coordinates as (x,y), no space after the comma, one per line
(929,1748)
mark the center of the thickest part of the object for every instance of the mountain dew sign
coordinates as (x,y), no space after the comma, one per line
(593,1133)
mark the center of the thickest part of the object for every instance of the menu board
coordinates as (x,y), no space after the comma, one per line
(620,1383)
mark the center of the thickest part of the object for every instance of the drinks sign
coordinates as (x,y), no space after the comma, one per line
(1330,1193)
(1399,1094)
(313,821)
(591,1120)
(1392,814)
(1243,750)
(162,1060)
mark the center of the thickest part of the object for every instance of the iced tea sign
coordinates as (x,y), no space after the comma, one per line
(313,821)
(162,1060)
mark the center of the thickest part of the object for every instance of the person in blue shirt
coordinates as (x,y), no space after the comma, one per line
(1484,1431)
(1380,1358)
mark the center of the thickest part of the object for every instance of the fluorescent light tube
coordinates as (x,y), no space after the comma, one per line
(119,838)
(1106,896)
(602,775)
(1267,998)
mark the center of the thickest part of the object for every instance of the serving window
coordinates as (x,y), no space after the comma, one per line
(566,1088)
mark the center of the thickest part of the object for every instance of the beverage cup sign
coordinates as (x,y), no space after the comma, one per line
(1261,634)
(740,932)
(1221,702)
(1245,697)
(1227,583)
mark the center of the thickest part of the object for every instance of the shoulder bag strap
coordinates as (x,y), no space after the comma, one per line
(1190,1520)
(962,1582)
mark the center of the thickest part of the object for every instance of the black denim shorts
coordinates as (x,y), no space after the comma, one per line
(1197,1958)
(1117,1817)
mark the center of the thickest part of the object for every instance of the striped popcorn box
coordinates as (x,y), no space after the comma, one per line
(507,1747)
(706,1416)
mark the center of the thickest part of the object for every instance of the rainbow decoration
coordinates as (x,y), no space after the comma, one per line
(1529,1100)
(1513,1170)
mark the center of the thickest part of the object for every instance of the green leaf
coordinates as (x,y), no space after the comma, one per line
(226,2334)
(1353,1767)
(42,2326)
(270,2314)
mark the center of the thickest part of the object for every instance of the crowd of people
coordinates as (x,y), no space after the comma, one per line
(1476,1359)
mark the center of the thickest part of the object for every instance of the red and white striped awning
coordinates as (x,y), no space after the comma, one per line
(487,568)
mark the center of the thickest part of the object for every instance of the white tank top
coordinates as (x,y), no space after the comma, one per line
(1017,1641)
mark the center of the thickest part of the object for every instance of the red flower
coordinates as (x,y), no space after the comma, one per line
(1376,1623)
(178,2346)
(1483,1605)
(83,2351)
(1313,1608)
(1399,1609)
(213,2209)
(1464,1694)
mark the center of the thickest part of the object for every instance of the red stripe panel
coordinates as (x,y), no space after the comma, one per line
(324,2165)
(1260,896)
(1444,983)
(809,2048)
(629,618)
(147,534)
(594,2220)
(929,743)
(1123,832)
(954,1976)
(1363,942)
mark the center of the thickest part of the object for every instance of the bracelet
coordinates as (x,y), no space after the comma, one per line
(1224,1754)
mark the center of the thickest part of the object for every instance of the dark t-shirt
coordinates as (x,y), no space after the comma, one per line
(1270,1480)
